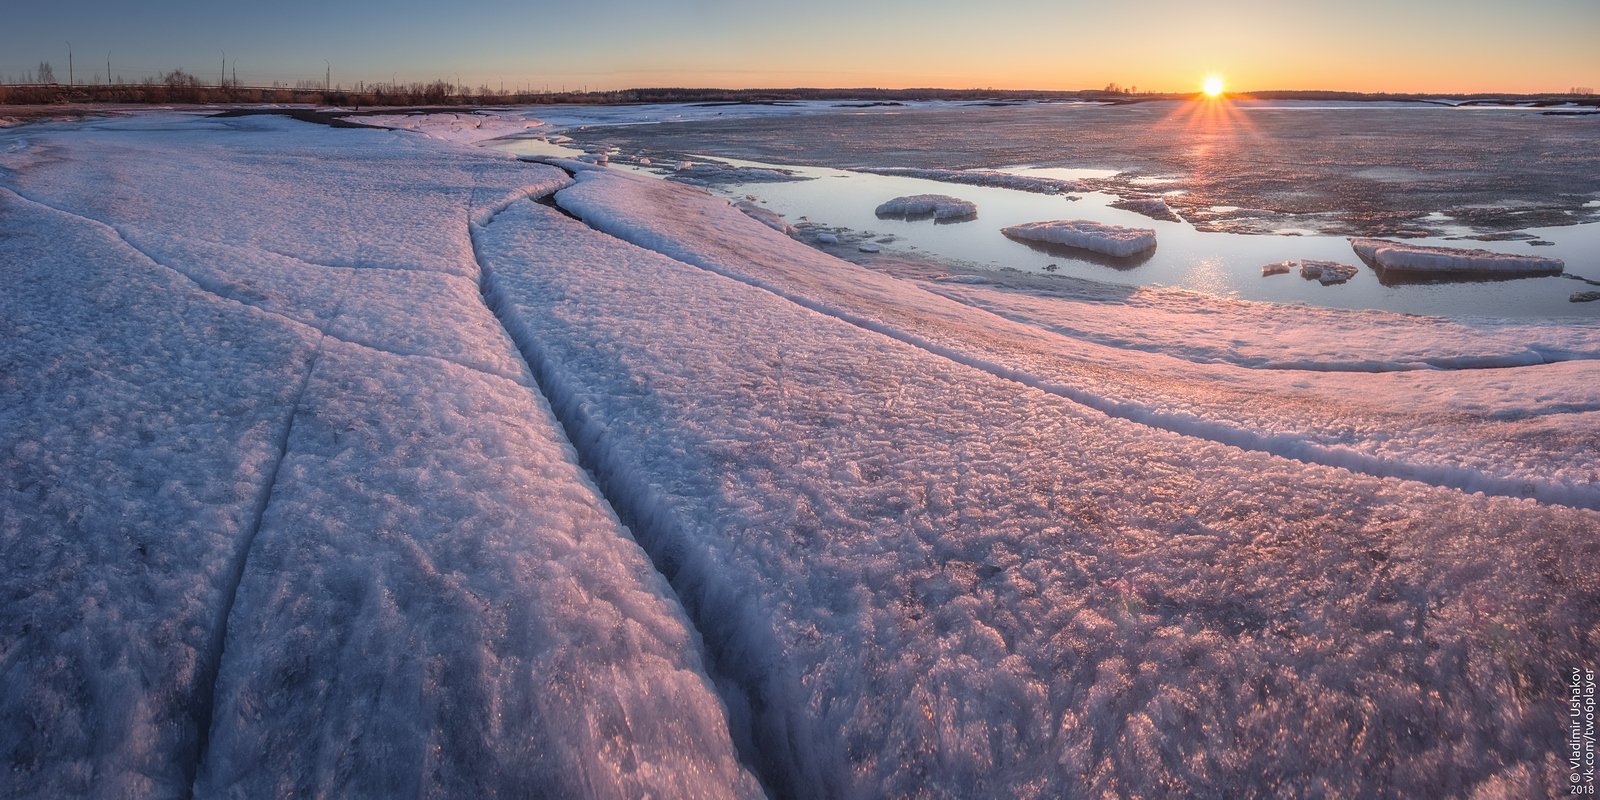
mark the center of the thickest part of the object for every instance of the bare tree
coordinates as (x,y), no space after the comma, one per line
(46,74)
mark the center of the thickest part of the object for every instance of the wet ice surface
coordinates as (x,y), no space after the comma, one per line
(1300,173)
(323,498)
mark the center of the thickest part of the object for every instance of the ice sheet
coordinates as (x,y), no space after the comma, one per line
(282,509)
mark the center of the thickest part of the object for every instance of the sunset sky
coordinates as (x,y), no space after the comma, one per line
(1164,45)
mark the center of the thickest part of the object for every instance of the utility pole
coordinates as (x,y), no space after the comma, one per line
(327,79)
(222,80)
(108,67)
(70,80)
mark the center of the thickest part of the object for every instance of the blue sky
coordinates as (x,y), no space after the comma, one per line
(1535,45)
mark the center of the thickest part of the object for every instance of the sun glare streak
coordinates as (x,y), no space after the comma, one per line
(1217,127)
(1212,86)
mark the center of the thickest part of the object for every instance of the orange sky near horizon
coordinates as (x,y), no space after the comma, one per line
(1360,46)
(1422,46)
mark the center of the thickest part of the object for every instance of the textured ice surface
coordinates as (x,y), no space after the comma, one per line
(281,508)
(365,212)
(1451,260)
(434,575)
(141,419)
(938,206)
(1098,237)
(1208,329)
(943,581)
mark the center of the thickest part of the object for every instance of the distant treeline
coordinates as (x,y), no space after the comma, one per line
(181,87)
(184,89)
(1579,98)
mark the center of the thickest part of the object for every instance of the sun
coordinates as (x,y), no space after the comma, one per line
(1212,86)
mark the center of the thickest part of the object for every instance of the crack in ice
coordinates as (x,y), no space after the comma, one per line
(650,521)
(205,704)
(270,312)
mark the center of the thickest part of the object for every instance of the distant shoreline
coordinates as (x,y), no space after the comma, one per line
(440,93)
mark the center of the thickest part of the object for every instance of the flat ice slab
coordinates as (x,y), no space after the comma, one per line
(1451,260)
(1112,240)
(939,206)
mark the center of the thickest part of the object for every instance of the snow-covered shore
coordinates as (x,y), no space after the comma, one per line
(365,463)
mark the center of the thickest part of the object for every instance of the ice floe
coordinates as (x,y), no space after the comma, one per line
(937,206)
(1402,257)
(1327,272)
(1098,237)
(1152,207)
